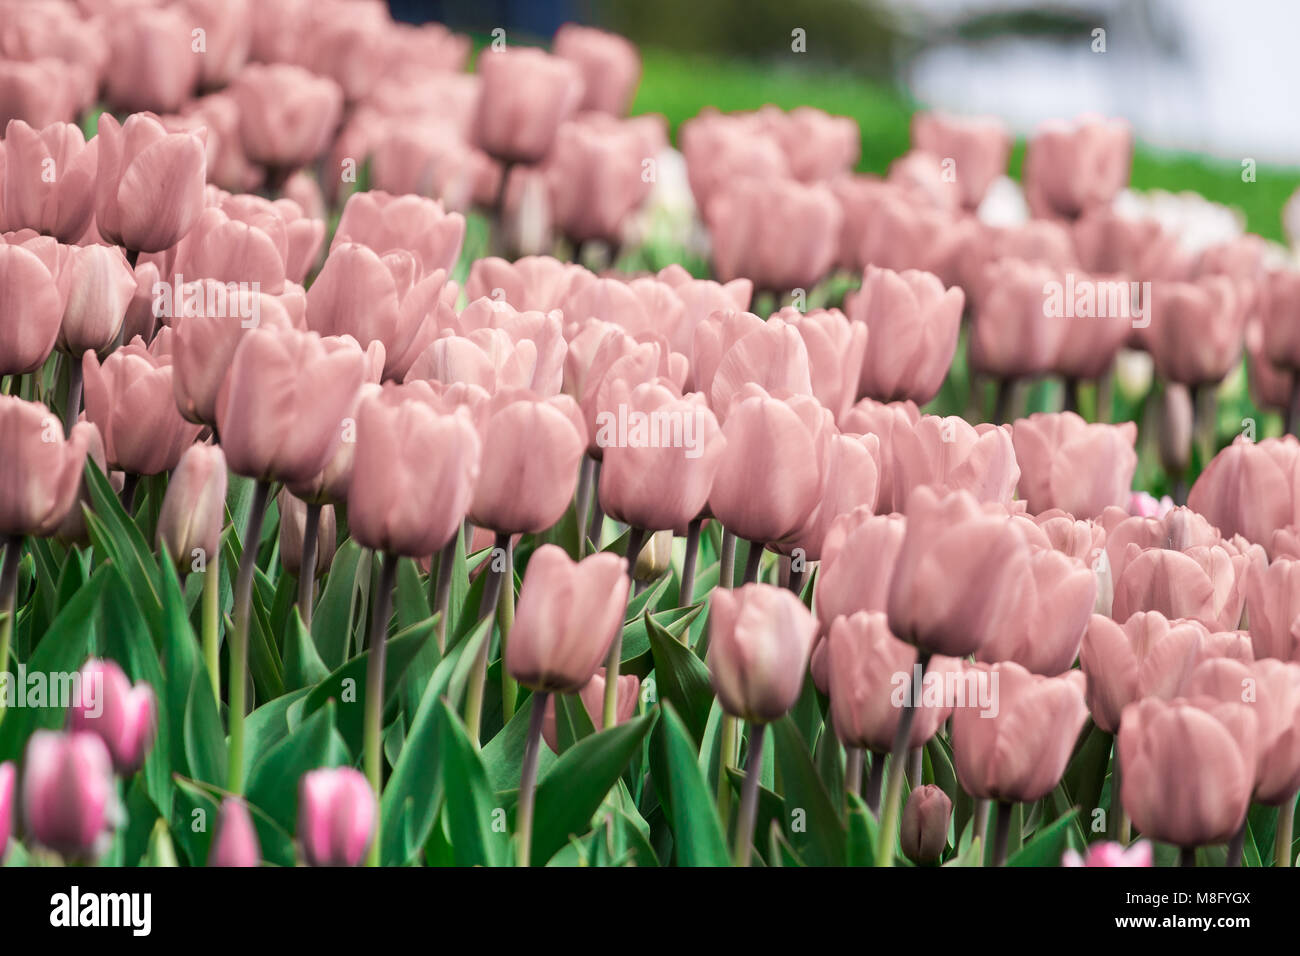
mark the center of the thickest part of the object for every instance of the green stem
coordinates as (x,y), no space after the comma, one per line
(586,489)
(753,561)
(686,593)
(8,592)
(1002,833)
(212,625)
(1285,829)
(373,730)
(728,756)
(442,588)
(727,560)
(749,797)
(487,610)
(307,567)
(239,637)
(72,409)
(853,770)
(897,771)
(609,717)
(528,780)
(505,621)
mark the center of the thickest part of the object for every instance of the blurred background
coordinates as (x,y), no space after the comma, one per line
(1205,83)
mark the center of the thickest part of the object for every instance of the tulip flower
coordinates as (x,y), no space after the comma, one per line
(532,283)
(49,180)
(818,147)
(7,774)
(1272,607)
(592,696)
(31,308)
(286,116)
(1047,619)
(40,470)
(526,94)
(129,398)
(924,832)
(234,839)
(385,223)
(978,148)
(857,564)
(569,616)
(1019,753)
(1247,488)
(1110,854)
(68,801)
(124,717)
(1067,463)
(1203,583)
(951,454)
(1188,770)
(1073,167)
(760,638)
(610,66)
(149,185)
(338,817)
(1197,330)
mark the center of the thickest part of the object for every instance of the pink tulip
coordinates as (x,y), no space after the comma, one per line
(1188,770)
(738,351)
(1012,336)
(893,424)
(68,800)
(387,223)
(951,454)
(7,774)
(913,327)
(610,66)
(978,147)
(1247,488)
(293,521)
(720,148)
(1107,853)
(49,180)
(1273,607)
(1109,241)
(40,471)
(288,395)
(592,696)
(760,638)
(149,186)
(1197,330)
(1073,167)
(123,716)
(1019,754)
(31,308)
(818,147)
(567,618)
(532,283)
(337,817)
(927,179)
(849,479)
(924,830)
(594,174)
(218,113)
(544,331)
(835,348)
(526,95)
(152,64)
(97,287)
(194,507)
(894,232)
(700,298)
(234,839)
(1206,584)
(1067,463)
(286,114)
(1046,622)
(857,563)
(40,93)
(227,27)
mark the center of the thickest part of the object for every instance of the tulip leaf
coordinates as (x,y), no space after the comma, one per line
(471,807)
(863,832)
(117,537)
(572,722)
(576,785)
(64,649)
(302,664)
(698,836)
(680,678)
(269,724)
(1048,844)
(273,780)
(263,658)
(820,840)
(412,599)
(503,755)
(1085,774)
(331,624)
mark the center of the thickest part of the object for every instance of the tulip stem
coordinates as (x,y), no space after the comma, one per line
(1235,846)
(129,484)
(1002,832)
(1293,410)
(1070,398)
(373,729)
(853,770)
(728,755)
(73,408)
(586,487)
(442,576)
(501,245)
(307,568)
(753,562)
(981,815)
(487,610)
(505,621)
(796,581)
(239,637)
(875,782)
(609,714)
(686,593)
(727,560)
(8,590)
(596,523)
(1002,403)
(528,780)
(1285,829)
(898,770)
(212,625)
(1187,856)
(749,797)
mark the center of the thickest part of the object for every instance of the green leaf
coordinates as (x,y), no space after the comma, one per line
(503,755)
(863,832)
(302,664)
(1048,845)
(331,623)
(697,833)
(569,795)
(471,806)
(273,781)
(822,841)
(117,537)
(411,597)
(681,679)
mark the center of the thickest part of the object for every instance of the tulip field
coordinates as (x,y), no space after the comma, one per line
(413,455)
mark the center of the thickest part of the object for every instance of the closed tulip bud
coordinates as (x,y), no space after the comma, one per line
(40,470)
(1247,487)
(234,840)
(68,799)
(49,180)
(31,309)
(1011,337)
(149,185)
(1019,753)
(1197,329)
(958,568)
(655,557)
(1047,616)
(7,773)
(97,286)
(951,454)
(151,65)
(760,639)
(1068,463)
(979,148)
(337,814)
(592,696)
(857,563)
(593,176)
(1188,769)
(194,507)
(651,483)
(286,113)
(893,424)
(1108,853)
(288,394)
(414,472)
(529,467)
(567,617)
(228,35)
(293,523)
(924,831)
(130,399)
(1272,607)
(913,325)
(525,95)
(124,717)
(818,147)
(1073,167)
(870,678)
(609,63)
(384,223)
